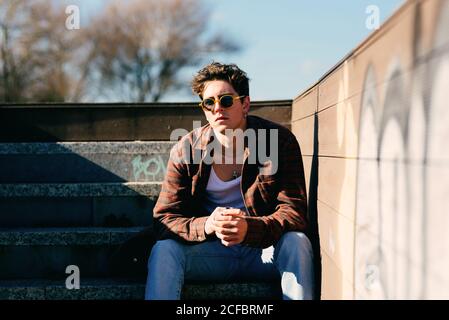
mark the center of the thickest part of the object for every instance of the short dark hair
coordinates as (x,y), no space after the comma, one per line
(217,71)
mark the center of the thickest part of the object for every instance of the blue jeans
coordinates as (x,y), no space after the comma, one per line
(290,260)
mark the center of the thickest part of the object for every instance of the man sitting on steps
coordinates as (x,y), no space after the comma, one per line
(226,212)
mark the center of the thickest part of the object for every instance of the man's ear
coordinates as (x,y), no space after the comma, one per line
(246,104)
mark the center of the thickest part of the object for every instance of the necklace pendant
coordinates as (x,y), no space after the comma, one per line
(234,174)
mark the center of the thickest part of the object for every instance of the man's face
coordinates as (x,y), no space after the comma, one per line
(221,118)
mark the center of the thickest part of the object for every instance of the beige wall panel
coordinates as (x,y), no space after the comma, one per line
(437,288)
(437,170)
(334,286)
(384,271)
(415,287)
(332,280)
(337,184)
(367,210)
(304,130)
(337,239)
(305,105)
(367,280)
(331,90)
(347,290)
(338,129)
(381,271)
(429,14)
(437,221)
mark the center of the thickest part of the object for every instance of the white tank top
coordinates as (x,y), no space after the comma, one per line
(221,193)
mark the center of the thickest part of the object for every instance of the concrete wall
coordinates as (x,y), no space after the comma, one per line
(374,133)
(113,121)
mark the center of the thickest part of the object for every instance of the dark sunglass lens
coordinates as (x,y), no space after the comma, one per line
(208,103)
(227,101)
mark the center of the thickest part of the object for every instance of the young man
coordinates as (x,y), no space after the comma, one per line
(229,212)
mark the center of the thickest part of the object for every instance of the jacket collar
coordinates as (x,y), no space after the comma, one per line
(204,136)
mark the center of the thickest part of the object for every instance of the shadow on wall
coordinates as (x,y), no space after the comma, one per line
(313,211)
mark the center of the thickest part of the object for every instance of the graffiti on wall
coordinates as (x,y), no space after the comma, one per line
(152,169)
(401,241)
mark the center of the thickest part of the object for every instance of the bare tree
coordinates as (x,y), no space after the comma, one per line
(12,79)
(137,48)
(35,49)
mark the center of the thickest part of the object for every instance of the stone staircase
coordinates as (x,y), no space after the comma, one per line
(75,203)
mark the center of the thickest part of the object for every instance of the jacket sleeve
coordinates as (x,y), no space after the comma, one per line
(172,219)
(291,201)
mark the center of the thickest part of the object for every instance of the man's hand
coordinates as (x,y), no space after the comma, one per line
(209,227)
(229,225)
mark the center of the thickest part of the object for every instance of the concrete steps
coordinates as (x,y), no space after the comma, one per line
(90,289)
(74,190)
(128,289)
(65,236)
(64,184)
(76,203)
(76,162)
(29,253)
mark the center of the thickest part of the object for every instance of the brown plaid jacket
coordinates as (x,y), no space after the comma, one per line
(276,203)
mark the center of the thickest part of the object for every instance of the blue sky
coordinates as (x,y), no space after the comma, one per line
(287,45)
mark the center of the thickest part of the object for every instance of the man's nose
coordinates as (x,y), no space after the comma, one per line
(217,106)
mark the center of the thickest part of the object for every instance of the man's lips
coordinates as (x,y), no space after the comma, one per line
(221,118)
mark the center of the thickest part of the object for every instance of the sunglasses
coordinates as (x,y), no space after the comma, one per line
(225,101)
